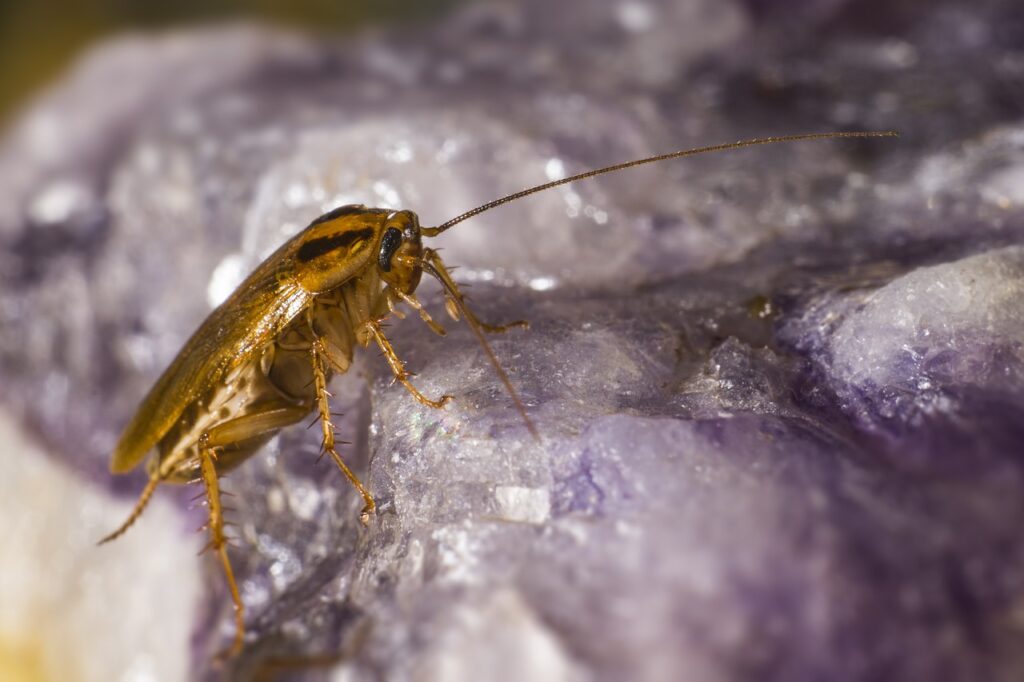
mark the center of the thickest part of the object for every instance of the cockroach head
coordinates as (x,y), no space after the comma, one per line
(401,251)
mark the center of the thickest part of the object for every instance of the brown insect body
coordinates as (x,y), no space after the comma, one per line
(261,361)
(246,372)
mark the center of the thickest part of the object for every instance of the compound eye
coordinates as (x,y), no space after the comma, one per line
(388,245)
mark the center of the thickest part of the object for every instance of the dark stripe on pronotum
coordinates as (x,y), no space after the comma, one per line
(315,248)
(347,209)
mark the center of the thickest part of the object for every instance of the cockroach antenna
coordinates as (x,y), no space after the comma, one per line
(434,231)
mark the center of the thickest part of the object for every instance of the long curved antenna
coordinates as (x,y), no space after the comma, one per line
(441,275)
(434,231)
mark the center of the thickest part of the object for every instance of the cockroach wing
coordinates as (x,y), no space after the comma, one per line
(257,311)
(233,334)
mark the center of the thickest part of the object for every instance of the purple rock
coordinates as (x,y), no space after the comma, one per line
(779,390)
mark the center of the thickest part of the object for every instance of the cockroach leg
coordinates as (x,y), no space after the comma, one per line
(218,541)
(392,308)
(140,506)
(414,302)
(398,368)
(456,302)
(434,266)
(317,355)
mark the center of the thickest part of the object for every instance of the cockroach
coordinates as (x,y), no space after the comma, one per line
(262,359)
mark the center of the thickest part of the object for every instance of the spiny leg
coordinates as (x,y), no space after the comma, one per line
(456,301)
(270,417)
(392,308)
(218,541)
(398,368)
(324,408)
(140,506)
(434,266)
(414,302)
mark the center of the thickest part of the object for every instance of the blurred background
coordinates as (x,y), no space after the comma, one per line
(38,39)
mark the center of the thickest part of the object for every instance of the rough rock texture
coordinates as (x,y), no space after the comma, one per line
(780,391)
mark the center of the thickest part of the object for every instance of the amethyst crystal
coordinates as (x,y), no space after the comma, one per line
(780,391)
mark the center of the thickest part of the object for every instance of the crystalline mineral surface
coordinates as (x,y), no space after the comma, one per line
(779,391)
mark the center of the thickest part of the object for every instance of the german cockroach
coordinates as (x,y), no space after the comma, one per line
(262,359)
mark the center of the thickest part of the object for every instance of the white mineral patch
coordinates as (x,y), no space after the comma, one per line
(527,505)
(58,201)
(959,308)
(457,554)
(76,612)
(503,637)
